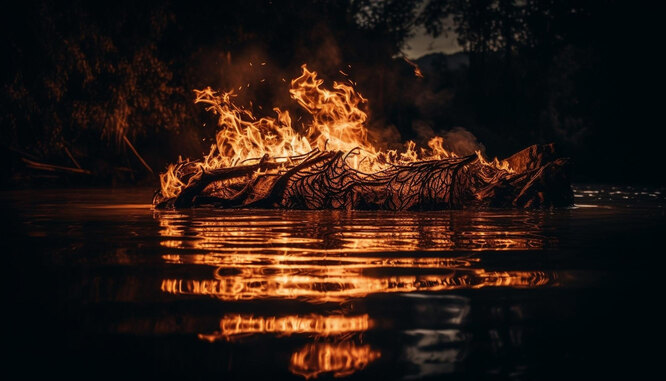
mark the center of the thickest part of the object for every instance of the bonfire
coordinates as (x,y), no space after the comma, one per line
(330,163)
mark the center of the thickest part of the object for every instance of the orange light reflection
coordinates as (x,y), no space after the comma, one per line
(342,359)
(338,233)
(232,326)
(335,257)
(338,283)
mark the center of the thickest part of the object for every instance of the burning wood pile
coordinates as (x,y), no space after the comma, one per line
(265,163)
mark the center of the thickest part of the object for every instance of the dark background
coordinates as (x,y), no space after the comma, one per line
(81,76)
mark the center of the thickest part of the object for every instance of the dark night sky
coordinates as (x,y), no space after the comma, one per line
(580,77)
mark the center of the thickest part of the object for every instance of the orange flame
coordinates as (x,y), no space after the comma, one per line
(337,123)
(342,359)
(503,165)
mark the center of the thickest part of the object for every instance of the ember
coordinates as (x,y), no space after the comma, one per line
(266,163)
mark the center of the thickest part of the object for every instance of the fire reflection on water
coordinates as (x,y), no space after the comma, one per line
(234,326)
(340,232)
(342,359)
(338,283)
(333,257)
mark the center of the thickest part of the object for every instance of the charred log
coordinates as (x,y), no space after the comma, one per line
(324,180)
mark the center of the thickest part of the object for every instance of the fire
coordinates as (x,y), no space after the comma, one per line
(342,359)
(337,123)
(316,325)
(504,165)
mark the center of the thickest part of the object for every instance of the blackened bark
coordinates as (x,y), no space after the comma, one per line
(323,180)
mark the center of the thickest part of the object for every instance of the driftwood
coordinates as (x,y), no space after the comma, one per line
(54,168)
(323,180)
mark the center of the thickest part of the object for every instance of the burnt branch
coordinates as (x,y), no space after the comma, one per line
(324,180)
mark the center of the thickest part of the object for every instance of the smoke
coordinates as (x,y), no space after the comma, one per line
(461,141)
(384,136)
(320,51)
(457,140)
(260,76)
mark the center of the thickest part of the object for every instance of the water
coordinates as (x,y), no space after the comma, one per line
(102,286)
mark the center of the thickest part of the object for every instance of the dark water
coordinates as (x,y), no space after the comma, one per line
(102,286)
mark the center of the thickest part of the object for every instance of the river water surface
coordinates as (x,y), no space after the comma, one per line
(102,286)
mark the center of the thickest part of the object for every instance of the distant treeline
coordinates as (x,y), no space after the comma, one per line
(98,93)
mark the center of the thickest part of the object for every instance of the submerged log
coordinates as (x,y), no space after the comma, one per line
(324,180)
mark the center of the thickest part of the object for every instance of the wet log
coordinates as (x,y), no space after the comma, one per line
(324,180)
